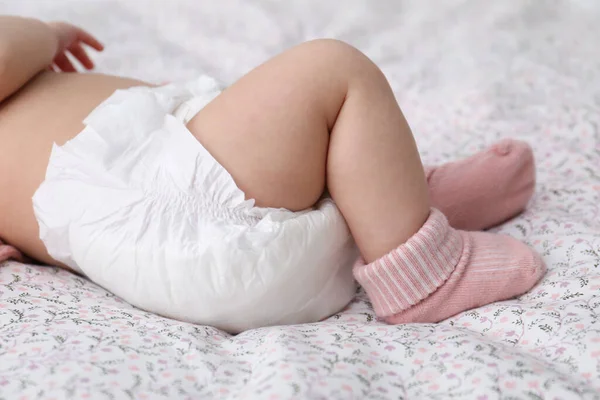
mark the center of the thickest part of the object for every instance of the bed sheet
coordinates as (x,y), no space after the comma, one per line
(466,73)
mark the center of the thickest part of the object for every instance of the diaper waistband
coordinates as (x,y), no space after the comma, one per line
(188,109)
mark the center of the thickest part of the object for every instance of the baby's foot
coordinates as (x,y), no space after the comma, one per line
(9,252)
(485,189)
(440,272)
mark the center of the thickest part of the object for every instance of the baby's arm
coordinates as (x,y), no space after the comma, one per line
(26,47)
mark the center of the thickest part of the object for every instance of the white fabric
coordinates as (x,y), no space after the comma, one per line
(141,208)
(466,73)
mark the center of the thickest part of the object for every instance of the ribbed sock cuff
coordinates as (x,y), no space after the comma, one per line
(414,270)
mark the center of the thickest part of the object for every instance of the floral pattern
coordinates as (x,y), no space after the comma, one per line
(465,73)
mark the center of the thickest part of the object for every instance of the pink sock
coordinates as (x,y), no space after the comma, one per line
(440,272)
(485,189)
(7,252)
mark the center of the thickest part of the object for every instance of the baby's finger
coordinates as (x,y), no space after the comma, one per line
(89,40)
(63,63)
(80,54)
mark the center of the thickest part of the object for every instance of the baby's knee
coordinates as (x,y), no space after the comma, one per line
(332,49)
(341,59)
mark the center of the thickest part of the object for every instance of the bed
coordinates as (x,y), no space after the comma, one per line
(466,73)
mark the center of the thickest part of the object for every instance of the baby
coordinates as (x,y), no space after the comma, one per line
(244,207)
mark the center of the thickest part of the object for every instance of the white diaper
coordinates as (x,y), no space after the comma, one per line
(140,207)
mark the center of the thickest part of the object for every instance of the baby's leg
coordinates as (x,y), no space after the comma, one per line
(324,113)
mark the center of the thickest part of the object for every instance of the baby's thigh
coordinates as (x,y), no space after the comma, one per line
(275,155)
(270,130)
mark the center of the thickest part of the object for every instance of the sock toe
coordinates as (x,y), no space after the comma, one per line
(503,147)
(486,189)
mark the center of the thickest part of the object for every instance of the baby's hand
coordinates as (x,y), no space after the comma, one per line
(70,39)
